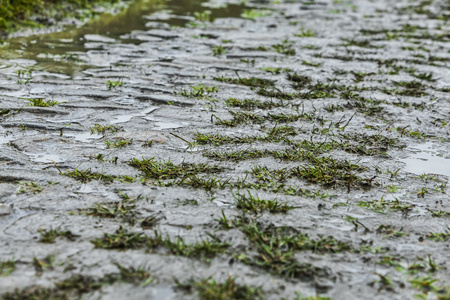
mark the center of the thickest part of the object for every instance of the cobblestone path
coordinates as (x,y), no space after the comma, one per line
(292,150)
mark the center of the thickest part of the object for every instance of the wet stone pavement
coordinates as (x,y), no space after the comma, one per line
(290,150)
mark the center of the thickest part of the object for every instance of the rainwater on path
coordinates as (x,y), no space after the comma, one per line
(257,150)
(427,159)
(57,54)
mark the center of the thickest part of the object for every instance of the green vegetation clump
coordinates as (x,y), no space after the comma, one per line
(249,104)
(209,289)
(285,48)
(276,248)
(112,84)
(49,236)
(97,128)
(382,206)
(124,239)
(7,267)
(219,50)
(121,239)
(76,286)
(41,102)
(206,249)
(256,205)
(252,14)
(167,170)
(199,91)
(119,143)
(86,176)
(28,188)
(252,81)
(123,210)
(439,236)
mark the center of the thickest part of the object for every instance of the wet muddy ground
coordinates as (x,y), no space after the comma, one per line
(223,149)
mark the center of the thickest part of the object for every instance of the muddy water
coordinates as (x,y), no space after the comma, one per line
(358,147)
(59,52)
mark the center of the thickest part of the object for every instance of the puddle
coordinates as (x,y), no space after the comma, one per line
(162,125)
(96,188)
(45,158)
(84,137)
(167,125)
(63,52)
(163,293)
(86,189)
(66,121)
(426,160)
(126,118)
(98,38)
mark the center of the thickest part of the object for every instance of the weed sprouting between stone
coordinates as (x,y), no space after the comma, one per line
(241,117)
(249,104)
(251,82)
(205,183)
(28,188)
(410,88)
(43,264)
(205,250)
(256,205)
(209,289)
(389,231)
(121,239)
(252,14)
(305,33)
(49,236)
(7,267)
(219,50)
(97,128)
(276,93)
(123,210)
(439,213)
(113,84)
(218,139)
(118,143)
(299,81)
(276,248)
(124,239)
(323,170)
(41,102)
(382,206)
(87,175)
(131,274)
(330,172)
(199,91)
(439,236)
(285,48)
(153,169)
(77,285)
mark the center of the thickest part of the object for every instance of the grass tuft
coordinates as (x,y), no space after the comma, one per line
(252,81)
(121,239)
(85,176)
(7,267)
(209,289)
(41,102)
(256,205)
(49,236)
